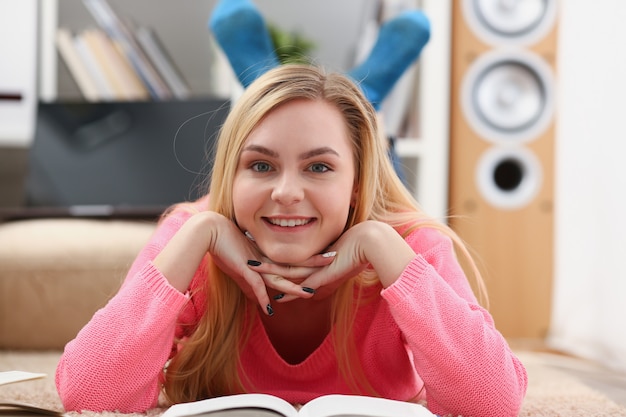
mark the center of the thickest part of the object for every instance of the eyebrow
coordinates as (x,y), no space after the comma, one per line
(261,149)
(305,155)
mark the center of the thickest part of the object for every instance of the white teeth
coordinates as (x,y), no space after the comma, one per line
(289,222)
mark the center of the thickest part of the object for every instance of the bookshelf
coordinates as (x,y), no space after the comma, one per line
(184,34)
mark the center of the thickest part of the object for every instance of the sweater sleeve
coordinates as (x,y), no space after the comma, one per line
(465,363)
(115,361)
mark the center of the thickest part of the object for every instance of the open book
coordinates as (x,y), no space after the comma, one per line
(326,406)
(17,408)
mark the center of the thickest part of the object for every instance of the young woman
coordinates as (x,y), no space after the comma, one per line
(307,270)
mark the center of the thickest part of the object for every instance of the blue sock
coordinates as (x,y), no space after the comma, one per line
(399,43)
(242,34)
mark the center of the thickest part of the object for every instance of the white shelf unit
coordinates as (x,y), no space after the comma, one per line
(426,157)
(18,49)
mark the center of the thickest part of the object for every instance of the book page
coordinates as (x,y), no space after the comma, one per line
(353,405)
(13,408)
(235,403)
(21,409)
(8,377)
(242,412)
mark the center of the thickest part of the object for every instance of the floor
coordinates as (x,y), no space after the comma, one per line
(611,383)
(607,381)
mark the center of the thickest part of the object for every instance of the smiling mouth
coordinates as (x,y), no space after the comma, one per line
(289,222)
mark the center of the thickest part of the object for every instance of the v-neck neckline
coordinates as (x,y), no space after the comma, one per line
(263,341)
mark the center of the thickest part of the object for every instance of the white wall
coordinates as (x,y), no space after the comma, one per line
(589,317)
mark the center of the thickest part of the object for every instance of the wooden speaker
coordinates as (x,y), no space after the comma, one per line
(502,152)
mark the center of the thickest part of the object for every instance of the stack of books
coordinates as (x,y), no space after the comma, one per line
(118,62)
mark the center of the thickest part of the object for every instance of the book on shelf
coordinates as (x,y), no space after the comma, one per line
(325,406)
(94,67)
(124,82)
(77,67)
(19,408)
(105,67)
(153,47)
(120,31)
(139,87)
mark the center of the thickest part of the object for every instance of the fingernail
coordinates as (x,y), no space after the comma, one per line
(248,235)
(278,296)
(252,262)
(270,310)
(309,290)
(329,254)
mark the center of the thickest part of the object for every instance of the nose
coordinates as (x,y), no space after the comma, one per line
(288,189)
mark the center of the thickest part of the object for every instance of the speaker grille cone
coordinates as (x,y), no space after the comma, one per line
(510,21)
(508,97)
(508,174)
(511,17)
(508,178)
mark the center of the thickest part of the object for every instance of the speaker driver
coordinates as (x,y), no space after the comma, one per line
(508,97)
(508,178)
(510,21)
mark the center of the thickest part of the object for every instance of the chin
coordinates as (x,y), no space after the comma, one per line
(288,258)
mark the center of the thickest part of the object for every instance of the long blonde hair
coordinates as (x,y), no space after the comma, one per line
(208,363)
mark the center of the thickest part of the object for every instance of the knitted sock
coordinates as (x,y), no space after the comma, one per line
(399,43)
(243,36)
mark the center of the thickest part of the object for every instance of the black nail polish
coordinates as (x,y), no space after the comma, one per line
(309,290)
(269,309)
(278,296)
(252,262)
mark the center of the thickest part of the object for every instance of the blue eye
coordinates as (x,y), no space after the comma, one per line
(261,167)
(319,168)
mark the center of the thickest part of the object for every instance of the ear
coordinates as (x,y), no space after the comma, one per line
(399,44)
(242,34)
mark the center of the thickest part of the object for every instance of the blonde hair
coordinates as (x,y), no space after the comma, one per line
(208,363)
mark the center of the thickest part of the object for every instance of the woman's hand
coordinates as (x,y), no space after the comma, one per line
(235,253)
(279,276)
(231,250)
(367,243)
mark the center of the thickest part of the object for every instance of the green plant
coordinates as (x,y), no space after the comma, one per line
(290,47)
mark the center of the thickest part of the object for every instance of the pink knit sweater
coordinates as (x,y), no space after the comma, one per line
(426,329)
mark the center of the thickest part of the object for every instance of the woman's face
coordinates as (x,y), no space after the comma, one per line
(295,181)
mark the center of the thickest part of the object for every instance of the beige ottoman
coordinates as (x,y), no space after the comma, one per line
(55,273)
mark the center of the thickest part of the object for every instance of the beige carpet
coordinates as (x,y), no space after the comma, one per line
(551,392)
